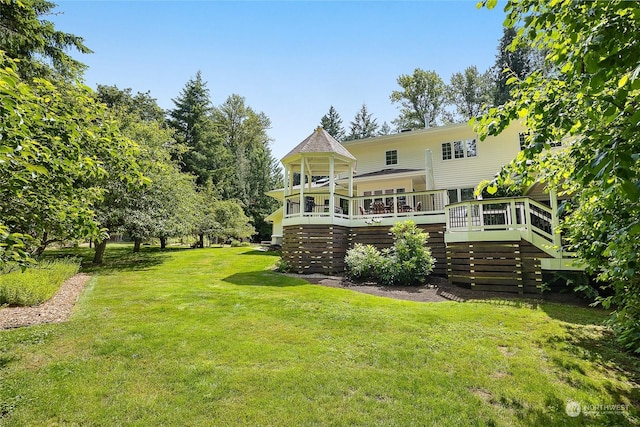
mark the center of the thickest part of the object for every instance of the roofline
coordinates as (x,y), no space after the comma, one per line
(426,131)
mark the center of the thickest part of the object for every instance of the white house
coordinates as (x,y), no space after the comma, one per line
(355,191)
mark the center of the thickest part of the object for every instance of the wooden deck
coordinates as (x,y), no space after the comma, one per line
(496,245)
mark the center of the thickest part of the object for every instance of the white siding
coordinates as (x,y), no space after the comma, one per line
(492,154)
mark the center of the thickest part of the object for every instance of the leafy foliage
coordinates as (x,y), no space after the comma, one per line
(470,92)
(252,168)
(515,59)
(591,102)
(363,261)
(408,262)
(422,99)
(57,146)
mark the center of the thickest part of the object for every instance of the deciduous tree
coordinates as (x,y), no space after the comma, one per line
(57,145)
(469,92)
(591,102)
(422,99)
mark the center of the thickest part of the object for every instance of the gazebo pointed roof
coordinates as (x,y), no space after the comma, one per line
(320,142)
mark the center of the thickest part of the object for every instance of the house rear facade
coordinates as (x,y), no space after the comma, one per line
(355,191)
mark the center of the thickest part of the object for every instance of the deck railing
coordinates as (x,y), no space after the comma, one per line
(317,204)
(521,214)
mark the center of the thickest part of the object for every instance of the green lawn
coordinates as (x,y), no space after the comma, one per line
(213,337)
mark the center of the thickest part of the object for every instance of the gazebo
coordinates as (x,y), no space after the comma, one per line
(316,210)
(319,155)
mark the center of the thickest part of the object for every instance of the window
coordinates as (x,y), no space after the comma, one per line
(460,195)
(392,157)
(466,194)
(446,151)
(522,136)
(453,196)
(458,150)
(461,149)
(472,150)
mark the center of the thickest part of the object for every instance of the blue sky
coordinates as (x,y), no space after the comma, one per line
(289,59)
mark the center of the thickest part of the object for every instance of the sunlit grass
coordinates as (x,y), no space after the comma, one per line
(214,337)
(36,284)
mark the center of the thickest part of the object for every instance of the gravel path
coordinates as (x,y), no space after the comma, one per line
(57,309)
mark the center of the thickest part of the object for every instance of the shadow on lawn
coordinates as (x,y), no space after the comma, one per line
(264,278)
(118,258)
(258,252)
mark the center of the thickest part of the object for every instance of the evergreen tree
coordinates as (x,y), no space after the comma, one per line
(385,129)
(363,125)
(204,154)
(511,61)
(332,123)
(251,171)
(41,49)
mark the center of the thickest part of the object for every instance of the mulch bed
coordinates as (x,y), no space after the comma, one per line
(436,289)
(56,310)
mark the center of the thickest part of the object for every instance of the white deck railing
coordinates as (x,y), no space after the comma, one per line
(317,204)
(533,220)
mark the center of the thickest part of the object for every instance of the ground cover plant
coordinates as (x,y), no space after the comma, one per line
(36,284)
(215,337)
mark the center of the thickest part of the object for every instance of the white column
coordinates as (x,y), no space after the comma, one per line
(555,222)
(302,172)
(332,186)
(428,170)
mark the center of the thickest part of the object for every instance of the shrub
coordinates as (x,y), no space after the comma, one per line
(38,284)
(363,261)
(282,266)
(408,262)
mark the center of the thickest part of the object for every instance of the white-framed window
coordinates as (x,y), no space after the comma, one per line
(459,149)
(472,148)
(522,137)
(391,157)
(461,194)
(446,151)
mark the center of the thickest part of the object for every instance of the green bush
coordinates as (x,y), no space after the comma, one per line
(363,262)
(282,266)
(408,262)
(38,284)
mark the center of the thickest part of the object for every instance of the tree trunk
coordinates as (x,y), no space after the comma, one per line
(201,242)
(136,245)
(100,248)
(163,242)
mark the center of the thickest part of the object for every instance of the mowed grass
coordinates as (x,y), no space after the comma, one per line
(214,337)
